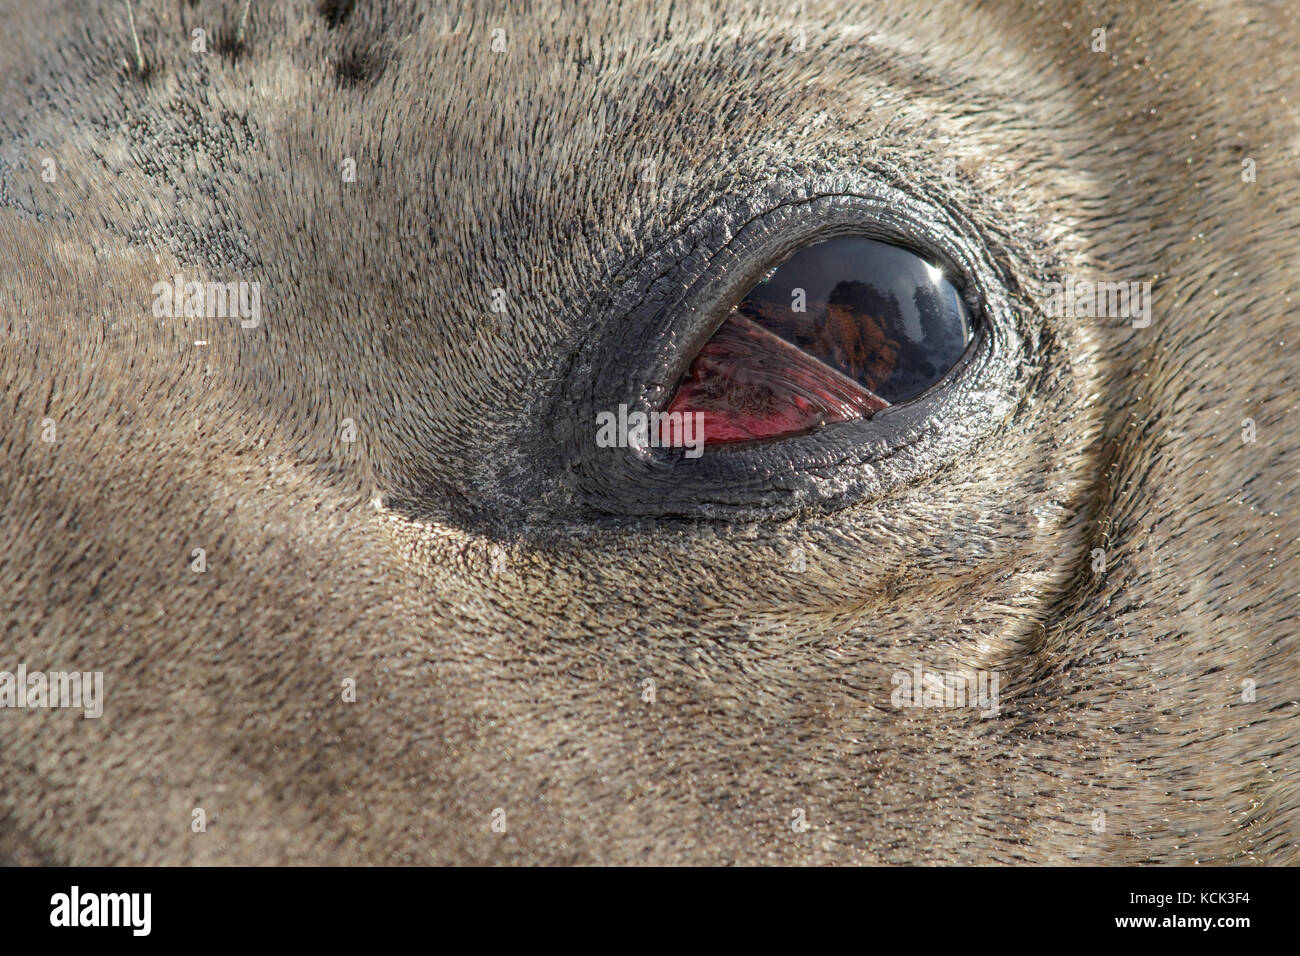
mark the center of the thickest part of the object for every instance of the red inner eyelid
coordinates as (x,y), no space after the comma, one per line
(749,383)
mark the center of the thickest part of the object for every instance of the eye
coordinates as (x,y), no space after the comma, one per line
(840,330)
(804,345)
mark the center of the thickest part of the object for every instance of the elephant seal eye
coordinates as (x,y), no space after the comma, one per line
(838,331)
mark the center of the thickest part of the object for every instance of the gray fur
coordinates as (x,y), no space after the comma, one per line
(522,688)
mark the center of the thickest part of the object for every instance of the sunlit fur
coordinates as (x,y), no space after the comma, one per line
(515,678)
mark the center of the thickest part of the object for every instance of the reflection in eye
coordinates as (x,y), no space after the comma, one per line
(840,330)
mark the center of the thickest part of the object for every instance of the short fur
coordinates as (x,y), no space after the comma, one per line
(496,672)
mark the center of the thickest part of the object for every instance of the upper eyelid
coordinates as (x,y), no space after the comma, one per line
(913,239)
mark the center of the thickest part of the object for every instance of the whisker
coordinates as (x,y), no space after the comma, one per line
(139,57)
(243,17)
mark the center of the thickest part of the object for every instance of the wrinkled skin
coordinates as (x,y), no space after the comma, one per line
(500,618)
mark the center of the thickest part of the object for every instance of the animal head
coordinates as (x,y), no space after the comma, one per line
(363,588)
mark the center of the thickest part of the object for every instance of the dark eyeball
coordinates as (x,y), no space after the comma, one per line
(838,331)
